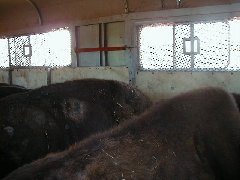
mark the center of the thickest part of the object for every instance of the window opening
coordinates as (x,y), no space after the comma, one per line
(214,45)
(156,46)
(4,58)
(27,50)
(51,49)
(197,46)
(234,44)
(187,46)
(181,60)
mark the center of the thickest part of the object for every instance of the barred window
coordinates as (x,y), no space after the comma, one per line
(4,59)
(51,49)
(211,46)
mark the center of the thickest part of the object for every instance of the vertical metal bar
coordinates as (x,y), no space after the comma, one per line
(10,64)
(131,35)
(30,49)
(15,57)
(105,44)
(192,45)
(229,45)
(74,54)
(77,31)
(174,52)
(49,75)
(100,41)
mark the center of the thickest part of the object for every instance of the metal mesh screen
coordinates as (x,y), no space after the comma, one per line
(16,46)
(214,45)
(235,44)
(181,61)
(161,46)
(52,49)
(156,46)
(4,59)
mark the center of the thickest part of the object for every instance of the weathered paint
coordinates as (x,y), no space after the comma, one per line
(157,85)
(88,37)
(115,37)
(4,76)
(111,73)
(162,85)
(29,78)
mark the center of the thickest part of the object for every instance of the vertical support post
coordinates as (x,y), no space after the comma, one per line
(229,45)
(131,53)
(174,52)
(49,75)
(192,44)
(100,42)
(102,38)
(75,45)
(30,46)
(105,44)
(10,64)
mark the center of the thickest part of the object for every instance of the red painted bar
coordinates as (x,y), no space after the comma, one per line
(79,50)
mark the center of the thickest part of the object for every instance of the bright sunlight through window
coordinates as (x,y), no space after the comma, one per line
(52,49)
(216,46)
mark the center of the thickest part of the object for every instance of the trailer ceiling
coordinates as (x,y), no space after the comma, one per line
(16,15)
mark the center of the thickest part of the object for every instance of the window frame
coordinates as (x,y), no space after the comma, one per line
(12,66)
(184,15)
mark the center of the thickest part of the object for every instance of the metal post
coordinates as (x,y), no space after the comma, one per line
(174,52)
(192,45)
(10,64)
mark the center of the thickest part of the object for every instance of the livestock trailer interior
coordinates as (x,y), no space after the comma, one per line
(161,47)
(140,89)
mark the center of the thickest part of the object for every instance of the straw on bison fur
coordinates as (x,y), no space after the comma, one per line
(51,118)
(195,135)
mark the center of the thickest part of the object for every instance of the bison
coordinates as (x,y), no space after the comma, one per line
(6,89)
(51,118)
(195,135)
(237,99)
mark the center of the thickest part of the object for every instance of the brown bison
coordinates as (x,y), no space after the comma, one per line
(195,135)
(51,118)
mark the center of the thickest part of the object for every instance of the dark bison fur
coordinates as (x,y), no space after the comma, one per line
(237,99)
(51,118)
(195,135)
(6,89)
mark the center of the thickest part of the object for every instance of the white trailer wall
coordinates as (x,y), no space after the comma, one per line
(156,84)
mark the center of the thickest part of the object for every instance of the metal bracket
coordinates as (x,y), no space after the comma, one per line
(27,50)
(126,9)
(188,43)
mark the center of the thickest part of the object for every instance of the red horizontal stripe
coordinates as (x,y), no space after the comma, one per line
(100,49)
